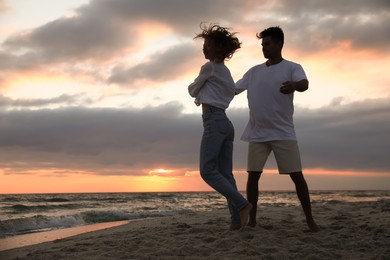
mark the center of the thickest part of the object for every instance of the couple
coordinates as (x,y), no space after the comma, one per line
(270,87)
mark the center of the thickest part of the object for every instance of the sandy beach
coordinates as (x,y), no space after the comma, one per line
(358,230)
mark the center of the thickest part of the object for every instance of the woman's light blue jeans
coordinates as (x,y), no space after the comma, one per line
(216,159)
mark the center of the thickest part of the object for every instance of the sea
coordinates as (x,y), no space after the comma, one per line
(31,213)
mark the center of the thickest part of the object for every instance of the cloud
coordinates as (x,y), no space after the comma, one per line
(315,25)
(71,39)
(5,61)
(102,29)
(178,14)
(98,138)
(354,136)
(6,102)
(162,66)
(3,7)
(110,141)
(101,34)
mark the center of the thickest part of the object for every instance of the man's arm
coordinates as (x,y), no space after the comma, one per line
(242,84)
(289,87)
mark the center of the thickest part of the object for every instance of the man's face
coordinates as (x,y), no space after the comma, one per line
(270,48)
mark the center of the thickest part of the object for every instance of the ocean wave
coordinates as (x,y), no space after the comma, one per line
(57,200)
(331,202)
(43,223)
(37,223)
(10,199)
(21,208)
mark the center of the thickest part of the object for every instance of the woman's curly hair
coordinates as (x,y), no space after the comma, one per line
(226,42)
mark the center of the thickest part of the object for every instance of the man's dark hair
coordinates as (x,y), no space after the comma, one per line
(276,34)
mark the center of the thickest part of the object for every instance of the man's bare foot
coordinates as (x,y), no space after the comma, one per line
(244,215)
(234,226)
(252,222)
(313,227)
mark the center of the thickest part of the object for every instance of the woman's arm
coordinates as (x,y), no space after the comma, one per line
(205,73)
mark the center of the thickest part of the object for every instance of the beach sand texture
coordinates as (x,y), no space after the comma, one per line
(358,230)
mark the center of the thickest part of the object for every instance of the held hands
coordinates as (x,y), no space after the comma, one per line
(288,87)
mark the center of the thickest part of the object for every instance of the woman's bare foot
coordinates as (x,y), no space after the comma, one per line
(234,226)
(244,215)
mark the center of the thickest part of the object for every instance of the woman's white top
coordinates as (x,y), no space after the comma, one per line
(213,86)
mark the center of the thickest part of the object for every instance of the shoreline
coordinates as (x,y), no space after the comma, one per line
(358,230)
(28,239)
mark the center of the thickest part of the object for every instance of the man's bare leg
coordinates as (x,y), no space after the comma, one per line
(252,193)
(304,197)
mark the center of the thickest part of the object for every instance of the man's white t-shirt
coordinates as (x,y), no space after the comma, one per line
(270,111)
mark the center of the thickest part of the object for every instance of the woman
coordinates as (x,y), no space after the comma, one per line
(214,89)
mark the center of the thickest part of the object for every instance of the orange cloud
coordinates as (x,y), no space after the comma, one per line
(318,171)
(75,182)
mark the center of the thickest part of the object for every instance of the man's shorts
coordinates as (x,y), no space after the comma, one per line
(286,153)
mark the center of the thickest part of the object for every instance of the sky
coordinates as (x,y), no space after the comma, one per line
(93,94)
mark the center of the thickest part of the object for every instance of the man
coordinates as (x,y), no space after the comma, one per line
(270,90)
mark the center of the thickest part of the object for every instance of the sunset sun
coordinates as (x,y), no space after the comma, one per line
(160,171)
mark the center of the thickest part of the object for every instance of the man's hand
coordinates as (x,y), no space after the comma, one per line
(288,87)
